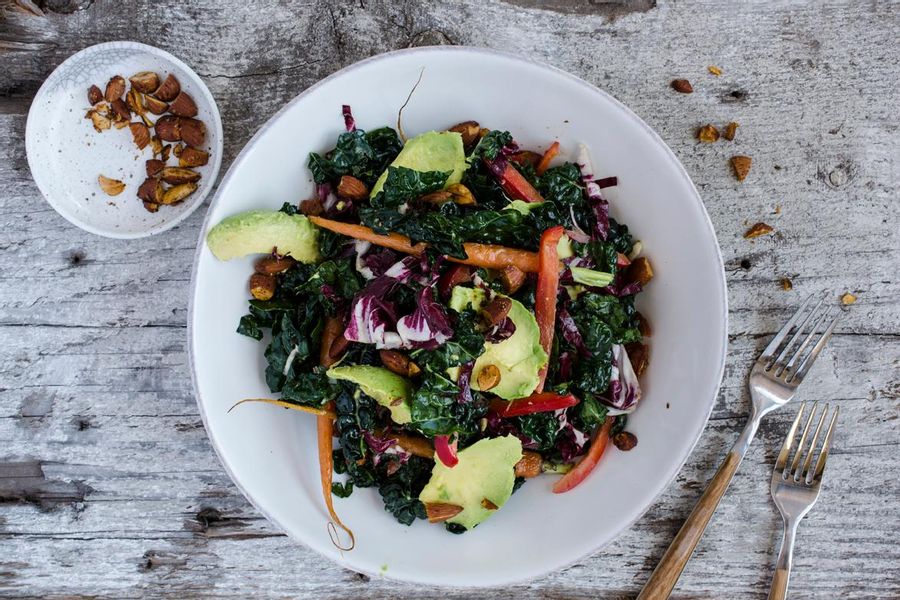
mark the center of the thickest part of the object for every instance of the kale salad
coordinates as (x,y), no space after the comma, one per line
(456,311)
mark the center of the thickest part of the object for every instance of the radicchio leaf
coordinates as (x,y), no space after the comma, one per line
(624,388)
(570,332)
(501,331)
(428,326)
(464,382)
(599,206)
(349,121)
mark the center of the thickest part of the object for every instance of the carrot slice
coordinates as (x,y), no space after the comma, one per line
(546,292)
(325,429)
(580,471)
(549,155)
(322,412)
(491,256)
(394,241)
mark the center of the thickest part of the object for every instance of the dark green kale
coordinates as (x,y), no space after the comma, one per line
(357,153)
(588,414)
(355,414)
(490,145)
(541,428)
(619,425)
(342,490)
(400,490)
(404,185)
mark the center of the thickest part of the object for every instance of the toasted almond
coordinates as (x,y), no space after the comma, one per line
(469,130)
(115,87)
(643,324)
(140,133)
(730,131)
(488,377)
(352,188)
(526,157)
(183,105)
(624,441)
(150,191)
(120,123)
(529,465)
(177,175)
(461,194)
(786,284)
(438,512)
(121,109)
(192,157)
(112,187)
(135,101)
(312,207)
(399,363)
(94,95)
(758,230)
(496,310)
(168,89)
(165,152)
(156,145)
(178,149)
(741,166)
(99,120)
(168,128)
(512,279)
(639,356)
(154,166)
(708,134)
(177,193)
(848,299)
(438,197)
(155,105)
(262,287)
(639,271)
(682,85)
(193,132)
(272,265)
(145,82)
(151,206)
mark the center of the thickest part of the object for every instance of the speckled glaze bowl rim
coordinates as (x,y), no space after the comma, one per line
(665,479)
(197,201)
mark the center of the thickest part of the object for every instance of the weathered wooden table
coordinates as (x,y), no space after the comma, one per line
(108,486)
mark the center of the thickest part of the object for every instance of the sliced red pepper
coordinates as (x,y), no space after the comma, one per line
(545,295)
(622,261)
(445,450)
(580,471)
(535,403)
(513,182)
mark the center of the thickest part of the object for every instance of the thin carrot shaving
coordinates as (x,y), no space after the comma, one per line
(490,256)
(325,430)
(307,409)
(394,241)
(548,156)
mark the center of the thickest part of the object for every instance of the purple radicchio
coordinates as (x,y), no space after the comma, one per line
(501,331)
(570,331)
(624,389)
(497,427)
(599,206)
(372,318)
(326,196)
(349,122)
(570,440)
(428,326)
(620,288)
(464,382)
(384,446)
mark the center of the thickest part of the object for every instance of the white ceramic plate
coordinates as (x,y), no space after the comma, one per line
(271,453)
(66,155)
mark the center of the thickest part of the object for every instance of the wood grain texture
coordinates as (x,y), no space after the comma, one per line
(108,486)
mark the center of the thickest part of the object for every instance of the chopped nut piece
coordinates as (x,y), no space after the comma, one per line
(178,149)
(469,130)
(154,166)
(741,166)
(168,128)
(112,187)
(192,157)
(496,310)
(526,157)
(488,505)
(145,82)
(177,193)
(183,106)
(156,145)
(848,299)
(639,356)
(312,207)
(438,512)
(461,194)
(352,188)
(273,264)
(708,134)
(730,130)
(150,191)
(140,134)
(758,230)
(151,206)
(488,377)
(155,105)
(114,88)
(438,197)
(164,154)
(262,287)
(625,441)
(135,101)
(643,324)
(168,89)
(121,109)
(94,95)
(120,123)
(193,132)
(99,120)
(483,132)
(176,175)
(786,284)
(512,279)
(529,465)
(399,363)
(639,271)
(714,70)
(682,85)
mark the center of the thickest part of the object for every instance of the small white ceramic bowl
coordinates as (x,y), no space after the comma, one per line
(66,154)
(271,453)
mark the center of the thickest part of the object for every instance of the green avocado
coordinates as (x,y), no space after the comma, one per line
(481,482)
(519,357)
(432,151)
(259,231)
(385,387)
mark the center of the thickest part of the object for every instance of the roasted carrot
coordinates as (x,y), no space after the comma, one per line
(394,241)
(490,256)
(549,155)
(325,412)
(333,329)
(325,429)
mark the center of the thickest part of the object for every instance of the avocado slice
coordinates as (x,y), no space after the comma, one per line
(432,151)
(481,482)
(519,358)
(259,231)
(385,387)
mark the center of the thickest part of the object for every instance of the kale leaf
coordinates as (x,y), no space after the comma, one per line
(355,414)
(400,491)
(403,185)
(342,490)
(541,428)
(358,153)
(491,144)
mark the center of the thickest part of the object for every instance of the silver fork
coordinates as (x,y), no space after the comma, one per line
(774,379)
(795,488)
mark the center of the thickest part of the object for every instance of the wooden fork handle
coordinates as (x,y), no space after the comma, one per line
(669,569)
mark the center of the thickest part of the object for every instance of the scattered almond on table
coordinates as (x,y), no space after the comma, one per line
(683,86)
(741,166)
(176,110)
(758,230)
(786,284)
(708,133)
(730,131)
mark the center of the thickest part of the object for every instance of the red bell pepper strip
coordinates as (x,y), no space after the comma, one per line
(446,452)
(535,403)
(580,471)
(622,261)
(513,182)
(545,295)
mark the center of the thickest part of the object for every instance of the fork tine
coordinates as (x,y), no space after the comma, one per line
(789,441)
(782,333)
(805,366)
(804,470)
(799,454)
(799,352)
(826,445)
(779,360)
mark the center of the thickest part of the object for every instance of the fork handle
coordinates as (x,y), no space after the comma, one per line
(778,591)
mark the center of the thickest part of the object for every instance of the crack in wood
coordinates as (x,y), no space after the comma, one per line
(25,482)
(613,9)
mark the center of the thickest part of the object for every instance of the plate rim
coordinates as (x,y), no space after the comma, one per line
(30,124)
(723,289)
